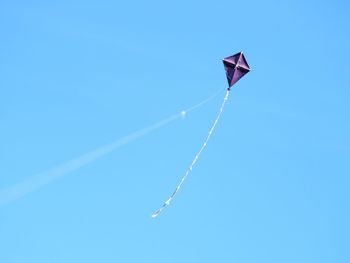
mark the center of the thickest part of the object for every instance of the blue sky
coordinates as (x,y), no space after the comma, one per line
(273,183)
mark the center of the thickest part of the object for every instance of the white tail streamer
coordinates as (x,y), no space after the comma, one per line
(189,169)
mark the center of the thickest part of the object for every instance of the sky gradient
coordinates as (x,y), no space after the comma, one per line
(272,184)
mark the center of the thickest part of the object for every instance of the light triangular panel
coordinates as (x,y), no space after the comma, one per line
(232,59)
(238,73)
(243,62)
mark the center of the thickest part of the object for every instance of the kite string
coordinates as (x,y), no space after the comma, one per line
(189,169)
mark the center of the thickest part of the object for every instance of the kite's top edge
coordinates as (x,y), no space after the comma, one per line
(238,53)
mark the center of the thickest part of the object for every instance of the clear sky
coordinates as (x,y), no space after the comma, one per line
(273,183)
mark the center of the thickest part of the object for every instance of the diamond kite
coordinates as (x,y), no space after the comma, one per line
(236,66)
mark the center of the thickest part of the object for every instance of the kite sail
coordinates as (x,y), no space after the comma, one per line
(236,67)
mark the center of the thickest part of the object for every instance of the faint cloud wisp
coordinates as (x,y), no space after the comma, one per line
(35,182)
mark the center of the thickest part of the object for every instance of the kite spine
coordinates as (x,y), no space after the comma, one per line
(189,169)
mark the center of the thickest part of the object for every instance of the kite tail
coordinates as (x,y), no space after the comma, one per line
(189,169)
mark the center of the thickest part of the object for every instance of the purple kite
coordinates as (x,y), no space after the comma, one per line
(236,67)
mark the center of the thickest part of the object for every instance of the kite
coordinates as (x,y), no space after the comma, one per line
(236,67)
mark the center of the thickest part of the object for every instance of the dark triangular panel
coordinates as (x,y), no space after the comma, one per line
(229,73)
